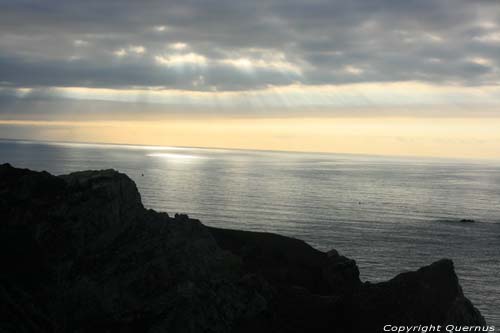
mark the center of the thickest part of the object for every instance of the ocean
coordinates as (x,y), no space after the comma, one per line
(390,214)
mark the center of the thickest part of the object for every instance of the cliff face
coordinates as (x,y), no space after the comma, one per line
(80,253)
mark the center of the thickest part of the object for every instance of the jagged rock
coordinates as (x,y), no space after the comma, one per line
(286,261)
(430,295)
(80,253)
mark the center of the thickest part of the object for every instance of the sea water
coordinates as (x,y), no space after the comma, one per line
(390,214)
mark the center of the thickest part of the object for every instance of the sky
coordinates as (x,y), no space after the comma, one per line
(389,77)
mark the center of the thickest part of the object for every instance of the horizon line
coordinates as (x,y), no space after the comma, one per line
(123,145)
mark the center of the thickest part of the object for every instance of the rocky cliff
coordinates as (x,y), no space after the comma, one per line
(80,253)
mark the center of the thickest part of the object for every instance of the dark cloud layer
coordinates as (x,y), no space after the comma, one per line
(239,45)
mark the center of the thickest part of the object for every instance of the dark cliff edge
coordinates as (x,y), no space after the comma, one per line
(80,253)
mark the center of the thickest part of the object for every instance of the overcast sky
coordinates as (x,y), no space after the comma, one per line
(229,57)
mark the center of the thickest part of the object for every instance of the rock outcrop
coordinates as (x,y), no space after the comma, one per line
(80,253)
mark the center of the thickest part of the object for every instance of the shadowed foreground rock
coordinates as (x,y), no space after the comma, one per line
(80,253)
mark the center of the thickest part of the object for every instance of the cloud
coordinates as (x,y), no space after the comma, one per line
(137,49)
(178,46)
(181,59)
(120,53)
(244,45)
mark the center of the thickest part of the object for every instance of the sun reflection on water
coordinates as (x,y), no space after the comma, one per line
(176,157)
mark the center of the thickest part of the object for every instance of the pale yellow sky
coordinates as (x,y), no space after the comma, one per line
(440,137)
(404,118)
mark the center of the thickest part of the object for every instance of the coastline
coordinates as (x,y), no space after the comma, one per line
(92,228)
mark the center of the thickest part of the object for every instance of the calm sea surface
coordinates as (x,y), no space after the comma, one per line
(390,214)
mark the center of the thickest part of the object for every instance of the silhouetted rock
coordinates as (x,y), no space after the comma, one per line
(466,221)
(80,253)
